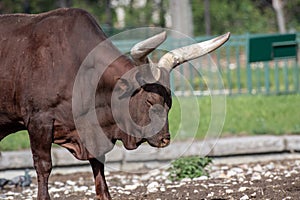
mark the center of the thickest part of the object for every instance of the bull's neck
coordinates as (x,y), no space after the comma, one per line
(107,85)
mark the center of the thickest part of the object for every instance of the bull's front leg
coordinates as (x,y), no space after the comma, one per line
(100,183)
(40,134)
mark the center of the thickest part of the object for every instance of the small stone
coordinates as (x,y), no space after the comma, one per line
(56,195)
(222,175)
(130,187)
(10,193)
(242,189)
(210,194)
(253,194)
(225,167)
(186,180)
(81,189)
(154,172)
(152,187)
(256,176)
(229,191)
(60,184)
(196,191)
(288,175)
(258,168)
(245,197)
(72,183)
(201,178)
(267,174)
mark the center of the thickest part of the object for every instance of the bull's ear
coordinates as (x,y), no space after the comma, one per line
(124,88)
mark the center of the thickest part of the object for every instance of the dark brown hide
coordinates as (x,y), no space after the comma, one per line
(40,56)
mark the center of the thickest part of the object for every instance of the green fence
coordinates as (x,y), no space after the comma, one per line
(227,71)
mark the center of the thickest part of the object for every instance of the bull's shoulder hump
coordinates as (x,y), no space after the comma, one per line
(58,11)
(63,12)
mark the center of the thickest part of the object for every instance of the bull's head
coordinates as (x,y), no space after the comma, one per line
(142,97)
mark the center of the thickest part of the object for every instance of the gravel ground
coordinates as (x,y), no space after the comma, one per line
(260,180)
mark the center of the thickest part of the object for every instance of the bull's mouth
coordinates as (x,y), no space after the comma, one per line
(154,142)
(141,142)
(161,142)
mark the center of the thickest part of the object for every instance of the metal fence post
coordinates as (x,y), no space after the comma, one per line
(249,77)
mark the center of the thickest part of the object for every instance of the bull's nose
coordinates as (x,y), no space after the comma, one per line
(165,141)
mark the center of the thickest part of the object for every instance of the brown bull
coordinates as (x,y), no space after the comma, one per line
(40,57)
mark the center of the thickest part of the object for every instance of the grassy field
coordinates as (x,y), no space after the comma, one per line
(246,115)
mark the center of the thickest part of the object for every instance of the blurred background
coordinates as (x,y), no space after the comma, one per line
(193,17)
(262,94)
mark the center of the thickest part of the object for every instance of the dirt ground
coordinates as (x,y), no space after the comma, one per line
(263,180)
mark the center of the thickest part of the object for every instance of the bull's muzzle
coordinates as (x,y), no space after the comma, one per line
(159,141)
(165,141)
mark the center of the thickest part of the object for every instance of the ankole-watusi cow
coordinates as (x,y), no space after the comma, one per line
(40,57)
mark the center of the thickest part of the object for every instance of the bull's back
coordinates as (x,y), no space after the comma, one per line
(39,58)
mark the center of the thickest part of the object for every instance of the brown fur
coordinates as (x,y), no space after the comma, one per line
(40,56)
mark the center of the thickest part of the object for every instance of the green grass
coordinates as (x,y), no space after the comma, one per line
(16,141)
(250,115)
(191,118)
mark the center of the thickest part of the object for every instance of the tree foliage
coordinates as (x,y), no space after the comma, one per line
(253,16)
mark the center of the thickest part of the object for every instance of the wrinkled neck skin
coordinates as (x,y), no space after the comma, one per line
(84,143)
(103,103)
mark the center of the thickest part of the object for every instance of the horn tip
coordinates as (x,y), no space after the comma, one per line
(163,34)
(227,35)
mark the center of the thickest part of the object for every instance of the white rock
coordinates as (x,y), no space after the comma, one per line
(153,187)
(72,183)
(253,194)
(186,180)
(56,195)
(145,177)
(131,187)
(294,171)
(81,189)
(229,191)
(205,186)
(196,191)
(162,189)
(10,193)
(270,166)
(231,173)
(210,194)
(245,197)
(288,175)
(256,176)
(60,184)
(201,178)
(225,167)
(267,174)
(154,172)
(242,189)
(258,168)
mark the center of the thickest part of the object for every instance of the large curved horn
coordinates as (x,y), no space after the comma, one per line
(178,56)
(140,51)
